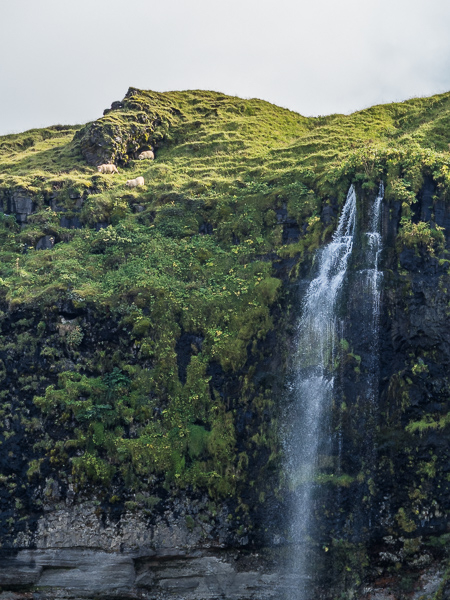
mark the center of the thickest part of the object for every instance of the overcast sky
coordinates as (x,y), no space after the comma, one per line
(65,61)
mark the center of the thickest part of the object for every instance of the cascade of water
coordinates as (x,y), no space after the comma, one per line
(370,279)
(373,254)
(313,385)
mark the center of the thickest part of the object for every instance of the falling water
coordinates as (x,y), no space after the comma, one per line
(313,384)
(368,288)
(373,274)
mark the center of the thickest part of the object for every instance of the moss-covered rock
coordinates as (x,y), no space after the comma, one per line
(143,351)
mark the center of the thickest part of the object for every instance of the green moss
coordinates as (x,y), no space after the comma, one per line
(404,522)
(428,422)
(190,523)
(34,467)
(348,563)
(343,480)
(91,467)
(413,235)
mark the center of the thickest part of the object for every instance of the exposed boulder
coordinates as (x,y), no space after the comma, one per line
(117,105)
(45,243)
(21,204)
(120,136)
(70,222)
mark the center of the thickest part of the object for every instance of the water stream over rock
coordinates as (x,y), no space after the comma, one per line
(315,384)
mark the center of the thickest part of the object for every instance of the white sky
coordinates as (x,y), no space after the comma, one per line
(65,61)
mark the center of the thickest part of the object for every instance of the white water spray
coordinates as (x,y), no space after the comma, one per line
(373,256)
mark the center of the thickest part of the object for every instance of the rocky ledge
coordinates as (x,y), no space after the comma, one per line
(75,553)
(168,573)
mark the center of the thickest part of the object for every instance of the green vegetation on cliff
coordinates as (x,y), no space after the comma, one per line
(186,271)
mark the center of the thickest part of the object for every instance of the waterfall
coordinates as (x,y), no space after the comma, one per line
(374,275)
(367,295)
(309,442)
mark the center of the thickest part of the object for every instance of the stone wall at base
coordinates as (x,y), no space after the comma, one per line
(79,573)
(75,553)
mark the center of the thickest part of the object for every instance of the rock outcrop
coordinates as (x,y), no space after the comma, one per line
(76,554)
(121,135)
(21,204)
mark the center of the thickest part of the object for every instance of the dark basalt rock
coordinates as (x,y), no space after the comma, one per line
(117,105)
(330,212)
(205,229)
(71,222)
(46,243)
(101,225)
(20,203)
(188,344)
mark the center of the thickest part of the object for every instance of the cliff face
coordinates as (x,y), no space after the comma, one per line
(146,340)
(382,525)
(413,453)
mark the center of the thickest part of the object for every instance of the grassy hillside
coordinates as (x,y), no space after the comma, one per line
(187,271)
